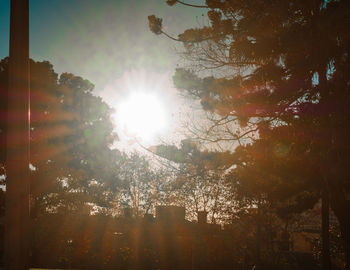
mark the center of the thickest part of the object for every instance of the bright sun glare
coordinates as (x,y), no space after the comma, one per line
(142,116)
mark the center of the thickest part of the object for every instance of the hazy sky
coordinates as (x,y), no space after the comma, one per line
(107,42)
(100,39)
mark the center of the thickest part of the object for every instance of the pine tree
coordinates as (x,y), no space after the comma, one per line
(71,134)
(278,64)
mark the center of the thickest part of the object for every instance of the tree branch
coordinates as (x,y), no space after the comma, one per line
(191,5)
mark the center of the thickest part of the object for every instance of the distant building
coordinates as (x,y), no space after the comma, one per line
(166,241)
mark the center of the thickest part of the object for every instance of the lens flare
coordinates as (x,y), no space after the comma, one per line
(141,115)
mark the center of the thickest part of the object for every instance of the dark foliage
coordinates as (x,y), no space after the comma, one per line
(286,83)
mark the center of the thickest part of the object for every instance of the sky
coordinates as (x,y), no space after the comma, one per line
(108,42)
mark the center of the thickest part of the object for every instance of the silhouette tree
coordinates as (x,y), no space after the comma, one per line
(277,64)
(199,182)
(71,135)
(140,184)
(263,169)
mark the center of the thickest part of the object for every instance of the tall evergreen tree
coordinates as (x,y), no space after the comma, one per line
(277,64)
(71,135)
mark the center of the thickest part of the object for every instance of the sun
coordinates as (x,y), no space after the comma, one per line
(144,104)
(141,115)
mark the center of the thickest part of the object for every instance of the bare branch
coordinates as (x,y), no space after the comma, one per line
(186,4)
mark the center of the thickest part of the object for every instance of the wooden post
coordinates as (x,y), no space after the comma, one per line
(17,159)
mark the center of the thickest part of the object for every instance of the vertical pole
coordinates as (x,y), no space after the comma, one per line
(17,160)
(258,238)
(326,263)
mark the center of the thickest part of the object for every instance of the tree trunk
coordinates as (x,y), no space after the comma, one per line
(326,262)
(258,238)
(341,207)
